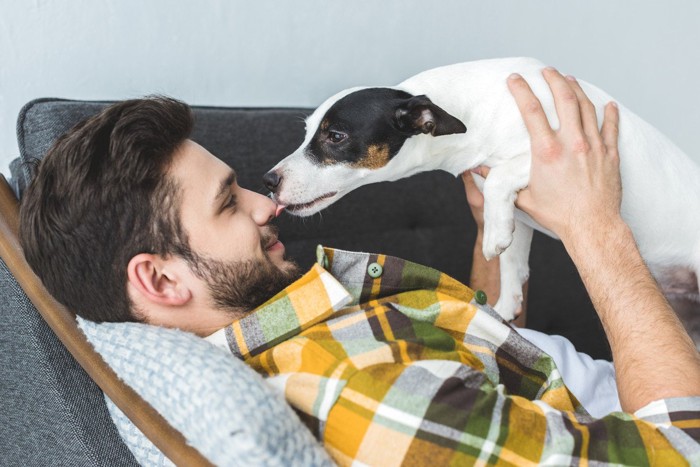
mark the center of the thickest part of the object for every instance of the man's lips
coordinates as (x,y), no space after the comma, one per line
(275,244)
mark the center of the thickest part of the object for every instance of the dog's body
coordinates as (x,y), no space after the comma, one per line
(367,135)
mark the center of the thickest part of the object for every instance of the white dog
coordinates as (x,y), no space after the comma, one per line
(372,134)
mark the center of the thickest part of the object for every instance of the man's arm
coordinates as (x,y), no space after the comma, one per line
(575,191)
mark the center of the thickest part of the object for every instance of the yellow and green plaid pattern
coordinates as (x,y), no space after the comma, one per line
(406,369)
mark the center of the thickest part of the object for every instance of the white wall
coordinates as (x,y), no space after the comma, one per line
(261,52)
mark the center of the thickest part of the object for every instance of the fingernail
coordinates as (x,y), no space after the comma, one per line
(570,78)
(514,76)
(614,104)
(550,68)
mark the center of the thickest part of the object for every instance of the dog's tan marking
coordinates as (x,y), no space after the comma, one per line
(325,124)
(377,157)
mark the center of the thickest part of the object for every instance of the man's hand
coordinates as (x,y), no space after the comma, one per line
(575,192)
(575,178)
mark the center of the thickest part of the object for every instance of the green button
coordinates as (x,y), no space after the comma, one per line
(321,258)
(480,297)
(374,270)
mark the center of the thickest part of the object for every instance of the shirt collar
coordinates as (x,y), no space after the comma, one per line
(338,279)
(309,300)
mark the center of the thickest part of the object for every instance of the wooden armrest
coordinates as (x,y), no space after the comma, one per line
(64,325)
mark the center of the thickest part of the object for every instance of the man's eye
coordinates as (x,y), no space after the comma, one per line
(336,136)
(230,202)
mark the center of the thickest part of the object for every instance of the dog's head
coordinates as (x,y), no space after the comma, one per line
(352,139)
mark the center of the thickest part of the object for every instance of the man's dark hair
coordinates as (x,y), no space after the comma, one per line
(102,195)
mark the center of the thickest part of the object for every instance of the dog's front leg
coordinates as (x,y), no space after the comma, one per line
(500,190)
(503,235)
(514,272)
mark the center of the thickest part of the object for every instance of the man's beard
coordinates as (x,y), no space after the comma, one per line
(239,287)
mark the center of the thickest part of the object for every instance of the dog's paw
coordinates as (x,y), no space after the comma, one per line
(509,307)
(495,242)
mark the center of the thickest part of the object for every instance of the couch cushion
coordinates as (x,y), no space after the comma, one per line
(52,413)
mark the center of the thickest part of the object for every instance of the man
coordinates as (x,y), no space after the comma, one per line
(386,361)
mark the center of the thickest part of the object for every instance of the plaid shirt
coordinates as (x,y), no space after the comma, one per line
(406,368)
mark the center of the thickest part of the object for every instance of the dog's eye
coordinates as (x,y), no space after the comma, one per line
(336,136)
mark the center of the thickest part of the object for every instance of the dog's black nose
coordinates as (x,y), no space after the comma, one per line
(272,180)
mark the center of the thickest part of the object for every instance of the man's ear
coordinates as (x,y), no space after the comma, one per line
(158,280)
(418,114)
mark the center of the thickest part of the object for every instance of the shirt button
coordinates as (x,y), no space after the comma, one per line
(480,297)
(374,270)
(321,257)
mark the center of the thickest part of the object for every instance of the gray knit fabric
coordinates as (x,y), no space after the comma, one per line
(222,407)
(145,452)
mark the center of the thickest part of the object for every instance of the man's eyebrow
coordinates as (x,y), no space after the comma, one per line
(224,189)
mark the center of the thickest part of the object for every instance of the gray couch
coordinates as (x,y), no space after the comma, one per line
(52,413)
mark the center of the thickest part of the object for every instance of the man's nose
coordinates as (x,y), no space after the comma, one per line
(272,180)
(263,209)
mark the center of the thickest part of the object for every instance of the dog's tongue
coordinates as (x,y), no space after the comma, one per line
(280,208)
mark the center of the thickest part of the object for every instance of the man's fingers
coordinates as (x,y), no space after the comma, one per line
(589,119)
(474,196)
(565,101)
(468,179)
(611,127)
(530,108)
(481,170)
(524,200)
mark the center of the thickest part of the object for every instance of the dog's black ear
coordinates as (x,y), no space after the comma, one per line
(418,114)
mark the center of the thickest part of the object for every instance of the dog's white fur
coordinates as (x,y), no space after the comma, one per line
(661,185)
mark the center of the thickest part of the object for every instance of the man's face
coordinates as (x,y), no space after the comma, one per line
(236,252)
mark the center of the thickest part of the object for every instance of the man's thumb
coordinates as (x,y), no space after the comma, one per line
(481,170)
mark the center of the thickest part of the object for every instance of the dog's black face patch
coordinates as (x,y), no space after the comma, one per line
(367,128)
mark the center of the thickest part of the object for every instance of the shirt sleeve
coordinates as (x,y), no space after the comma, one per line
(679,420)
(591,381)
(438,413)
